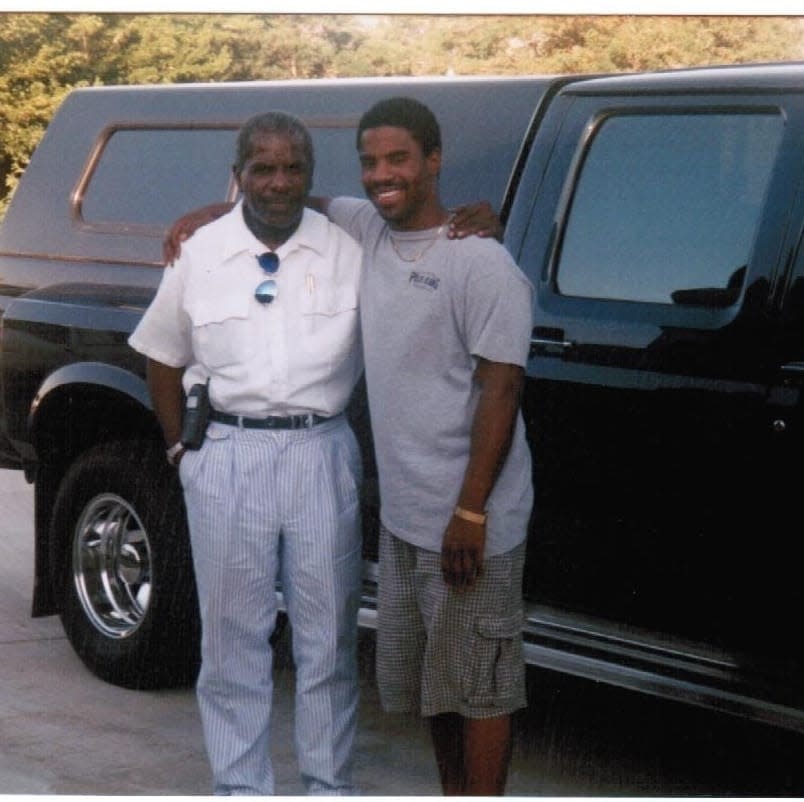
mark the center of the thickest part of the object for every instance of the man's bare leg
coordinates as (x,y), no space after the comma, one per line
(486,755)
(446,731)
(473,755)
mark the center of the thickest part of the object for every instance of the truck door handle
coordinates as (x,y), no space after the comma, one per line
(550,341)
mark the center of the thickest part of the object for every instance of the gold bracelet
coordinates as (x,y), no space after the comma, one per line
(473,517)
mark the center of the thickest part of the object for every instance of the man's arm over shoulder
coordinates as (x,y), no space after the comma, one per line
(471,219)
(475,219)
(187,225)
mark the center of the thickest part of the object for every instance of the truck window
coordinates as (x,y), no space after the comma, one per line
(126,185)
(665,207)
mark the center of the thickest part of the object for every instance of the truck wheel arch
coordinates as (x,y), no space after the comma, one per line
(75,408)
(92,374)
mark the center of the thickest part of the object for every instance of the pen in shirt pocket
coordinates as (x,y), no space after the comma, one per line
(310,283)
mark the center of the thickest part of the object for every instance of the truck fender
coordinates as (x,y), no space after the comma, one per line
(97,374)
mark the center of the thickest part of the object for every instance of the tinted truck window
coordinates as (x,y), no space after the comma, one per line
(167,171)
(141,160)
(665,207)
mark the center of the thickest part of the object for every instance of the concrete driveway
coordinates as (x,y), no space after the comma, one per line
(62,731)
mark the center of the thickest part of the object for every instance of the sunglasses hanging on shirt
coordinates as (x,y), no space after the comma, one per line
(267,290)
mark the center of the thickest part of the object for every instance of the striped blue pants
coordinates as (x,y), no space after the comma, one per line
(268,505)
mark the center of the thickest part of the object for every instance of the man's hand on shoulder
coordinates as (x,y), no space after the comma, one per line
(186,226)
(475,219)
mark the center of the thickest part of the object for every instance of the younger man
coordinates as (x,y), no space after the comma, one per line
(446,327)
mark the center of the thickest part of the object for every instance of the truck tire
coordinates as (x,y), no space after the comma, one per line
(129,605)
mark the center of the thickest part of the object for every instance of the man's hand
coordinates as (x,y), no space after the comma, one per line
(462,553)
(478,219)
(185,226)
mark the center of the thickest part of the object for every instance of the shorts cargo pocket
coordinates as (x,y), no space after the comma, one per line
(493,672)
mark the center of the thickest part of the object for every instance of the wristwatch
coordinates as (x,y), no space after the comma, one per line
(173,452)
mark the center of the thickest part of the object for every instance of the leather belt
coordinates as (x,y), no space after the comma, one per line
(271,422)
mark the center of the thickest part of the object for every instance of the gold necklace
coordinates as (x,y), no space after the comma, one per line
(429,244)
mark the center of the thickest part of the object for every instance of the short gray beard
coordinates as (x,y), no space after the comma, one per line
(266,233)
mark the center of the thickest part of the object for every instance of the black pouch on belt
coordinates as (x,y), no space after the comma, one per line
(196,416)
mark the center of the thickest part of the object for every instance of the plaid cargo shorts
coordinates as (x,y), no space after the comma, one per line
(440,651)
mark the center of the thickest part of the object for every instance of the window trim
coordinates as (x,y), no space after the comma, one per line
(79,193)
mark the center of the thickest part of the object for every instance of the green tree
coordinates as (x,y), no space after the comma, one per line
(44,56)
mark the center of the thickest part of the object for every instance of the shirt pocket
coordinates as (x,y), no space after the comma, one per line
(223,333)
(328,299)
(329,319)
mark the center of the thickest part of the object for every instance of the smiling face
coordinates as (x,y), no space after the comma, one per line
(275,180)
(399,179)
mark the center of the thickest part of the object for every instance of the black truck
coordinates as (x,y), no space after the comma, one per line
(659,216)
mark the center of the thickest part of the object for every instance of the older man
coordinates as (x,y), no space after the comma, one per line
(262,307)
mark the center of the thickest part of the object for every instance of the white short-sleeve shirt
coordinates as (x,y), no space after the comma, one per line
(299,354)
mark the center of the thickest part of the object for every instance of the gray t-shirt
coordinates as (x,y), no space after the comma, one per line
(423,322)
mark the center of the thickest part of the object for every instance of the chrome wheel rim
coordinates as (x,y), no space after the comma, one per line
(111,560)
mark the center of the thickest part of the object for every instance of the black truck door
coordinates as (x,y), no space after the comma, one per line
(658,244)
